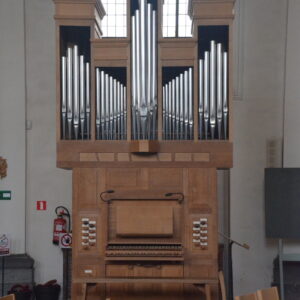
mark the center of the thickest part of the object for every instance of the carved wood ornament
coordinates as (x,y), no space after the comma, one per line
(3,168)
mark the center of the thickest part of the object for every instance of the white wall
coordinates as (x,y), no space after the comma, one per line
(12,120)
(292,95)
(257,118)
(292,100)
(44,180)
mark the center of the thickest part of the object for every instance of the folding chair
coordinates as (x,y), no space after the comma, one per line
(247,297)
(268,294)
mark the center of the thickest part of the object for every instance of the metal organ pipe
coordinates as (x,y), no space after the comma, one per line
(201,98)
(225,93)
(219,90)
(88,99)
(191,97)
(206,93)
(82,95)
(64,95)
(213,93)
(70,91)
(76,91)
(98,110)
(170,109)
(212,88)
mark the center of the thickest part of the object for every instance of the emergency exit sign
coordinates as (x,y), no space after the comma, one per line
(5,195)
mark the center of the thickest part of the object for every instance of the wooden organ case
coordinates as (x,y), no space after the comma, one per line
(144,123)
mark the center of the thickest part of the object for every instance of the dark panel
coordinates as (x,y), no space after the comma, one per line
(206,34)
(282,203)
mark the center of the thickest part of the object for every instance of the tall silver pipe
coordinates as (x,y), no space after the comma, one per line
(164,111)
(191,102)
(212,88)
(76,91)
(177,107)
(118,111)
(181,107)
(174,109)
(125,111)
(154,72)
(115,109)
(63,95)
(143,34)
(122,112)
(107,106)
(138,71)
(225,92)
(206,93)
(169,114)
(82,96)
(111,107)
(134,78)
(88,99)
(149,54)
(186,104)
(201,98)
(99,91)
(219,89)
(102,111)
(70,91)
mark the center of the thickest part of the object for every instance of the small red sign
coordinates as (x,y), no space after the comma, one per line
(41,205)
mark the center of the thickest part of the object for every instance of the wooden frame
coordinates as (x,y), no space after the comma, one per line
(144,170)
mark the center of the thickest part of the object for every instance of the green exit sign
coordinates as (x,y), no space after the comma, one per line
(5,195)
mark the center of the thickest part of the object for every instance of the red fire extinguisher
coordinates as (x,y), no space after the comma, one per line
(60,223)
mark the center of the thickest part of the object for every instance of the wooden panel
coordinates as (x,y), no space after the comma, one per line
(126,179)
(168,179)
(149,221)
(202,187)
(110,49)
(144,206)
(177,53)
(72,154)
(212,9)
(81,10)
(86,194)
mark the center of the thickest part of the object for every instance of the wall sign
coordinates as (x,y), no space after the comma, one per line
(4,245)
(65,240)
(5,195)
(41,205)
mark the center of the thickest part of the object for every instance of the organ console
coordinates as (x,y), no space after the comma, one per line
(144,122)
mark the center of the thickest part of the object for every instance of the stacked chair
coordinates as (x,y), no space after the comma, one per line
(264,294)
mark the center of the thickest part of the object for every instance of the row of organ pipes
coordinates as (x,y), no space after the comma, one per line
(213,93)
(144,72)
(111,103)
(75,95)
(177,103)
(178,118)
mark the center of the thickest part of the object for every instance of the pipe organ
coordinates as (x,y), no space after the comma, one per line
(144,122)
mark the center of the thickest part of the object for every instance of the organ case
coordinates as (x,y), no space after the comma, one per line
(144,154)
